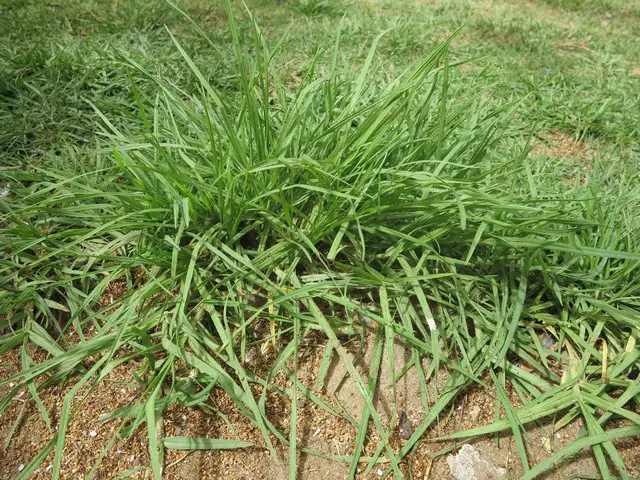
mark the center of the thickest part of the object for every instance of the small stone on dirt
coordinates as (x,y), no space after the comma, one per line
(474,413)
(405,429)
(467,464)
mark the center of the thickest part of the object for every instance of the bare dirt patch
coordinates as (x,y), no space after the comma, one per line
(578,156)
(318,429)
(561,145)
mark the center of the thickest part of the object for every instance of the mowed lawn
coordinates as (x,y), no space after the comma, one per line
(580,59)
(208,190)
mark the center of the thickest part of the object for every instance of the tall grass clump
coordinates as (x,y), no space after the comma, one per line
(298,208)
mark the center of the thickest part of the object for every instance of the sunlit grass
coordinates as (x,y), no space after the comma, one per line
(397,200)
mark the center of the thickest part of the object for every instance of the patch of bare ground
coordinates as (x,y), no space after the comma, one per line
(87,435)
(318,429)
(578,156)
(560,145)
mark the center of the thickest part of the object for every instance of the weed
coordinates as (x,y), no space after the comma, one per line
(409,200)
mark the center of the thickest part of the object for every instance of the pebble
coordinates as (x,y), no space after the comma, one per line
(405,429)
(547,340)
(474,413)
(468,464)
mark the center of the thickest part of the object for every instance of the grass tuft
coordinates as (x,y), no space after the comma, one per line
(301,205)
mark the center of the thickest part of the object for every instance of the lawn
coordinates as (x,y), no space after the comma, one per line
(306,239)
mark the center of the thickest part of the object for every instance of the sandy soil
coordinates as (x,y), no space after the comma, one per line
(317,429)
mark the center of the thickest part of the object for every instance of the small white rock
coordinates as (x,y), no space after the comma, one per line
(380,472)
(474,412)
(468,464)
(21,467)
(93,434)
(49,468)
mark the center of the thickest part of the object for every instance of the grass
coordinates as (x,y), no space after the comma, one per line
(227,189)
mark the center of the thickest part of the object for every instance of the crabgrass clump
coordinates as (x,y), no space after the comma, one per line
(223,210)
